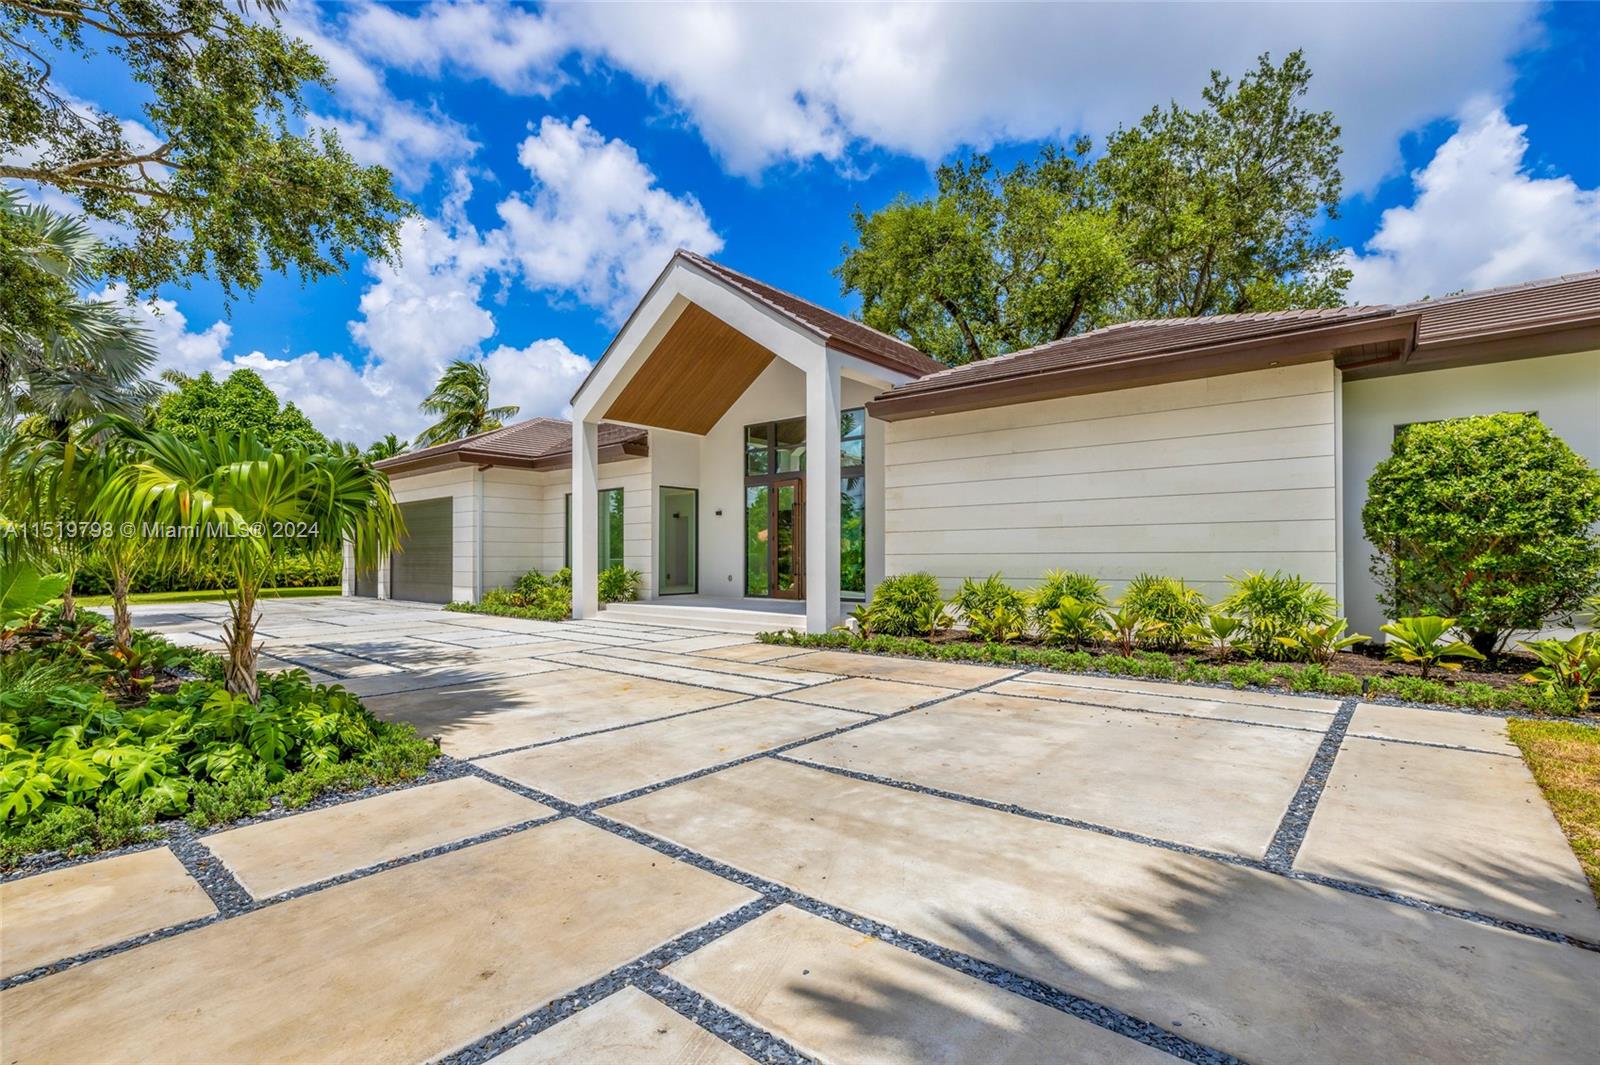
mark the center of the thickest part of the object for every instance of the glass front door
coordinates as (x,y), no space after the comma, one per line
(775,539)
(679,539)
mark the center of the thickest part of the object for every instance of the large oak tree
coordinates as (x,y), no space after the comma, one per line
(1189,212)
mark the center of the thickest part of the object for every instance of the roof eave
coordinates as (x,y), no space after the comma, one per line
(1395,331)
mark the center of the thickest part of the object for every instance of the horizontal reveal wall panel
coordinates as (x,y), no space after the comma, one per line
(1122,539)
(1118,567)
(1290,504)
(1196,450)
(1199,479)
(1177,396)
(513,525)
(1161,487)
(1289,412)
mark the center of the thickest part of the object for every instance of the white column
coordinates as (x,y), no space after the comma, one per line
(347,573)
(385,565)
(823,390)
(585,519)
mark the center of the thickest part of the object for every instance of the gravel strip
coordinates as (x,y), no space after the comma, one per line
(642,972)
(1291,831)
(758,1044)
(215,878)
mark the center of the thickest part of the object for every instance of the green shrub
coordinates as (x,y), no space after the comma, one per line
(987,596)
(1166,600)
(1130,629)
(1000,624)
(1058,586)
(1319,643)
(1074,622)
(905,605)
(1490,520)
(1570,668)
(618,584)
(1273,605)
(1216,632)
(1421,641)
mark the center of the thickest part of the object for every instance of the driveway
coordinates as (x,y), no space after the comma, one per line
(656,844)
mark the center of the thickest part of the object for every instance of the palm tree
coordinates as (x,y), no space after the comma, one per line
(63,357)
(387,448)
(239,505)
(48,486)
(461,403)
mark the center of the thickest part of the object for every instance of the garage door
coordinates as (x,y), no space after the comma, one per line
(367,582)
(422,566)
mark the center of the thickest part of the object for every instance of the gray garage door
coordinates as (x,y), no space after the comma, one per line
(422,565)
(367,582)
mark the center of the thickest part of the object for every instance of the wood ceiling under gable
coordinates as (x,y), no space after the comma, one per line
(695,374)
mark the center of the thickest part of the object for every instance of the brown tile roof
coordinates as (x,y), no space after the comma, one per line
(1555,301)
(522,443)
(1169,337)
(1535,318)
(844,333)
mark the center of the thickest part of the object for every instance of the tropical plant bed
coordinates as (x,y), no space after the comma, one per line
(1565,759)
(100,747)
(1365,675)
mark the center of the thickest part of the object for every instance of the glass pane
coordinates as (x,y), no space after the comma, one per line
(755,543)
(757,456)
(783,536)
(791,445)
(852,452)
(852,423)
(610,547)
(679,546)
(853,534)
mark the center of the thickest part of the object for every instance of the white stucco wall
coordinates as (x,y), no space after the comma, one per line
(1197,479)
(1564,390)
(630,475)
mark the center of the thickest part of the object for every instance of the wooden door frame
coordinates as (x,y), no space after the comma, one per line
(798,537)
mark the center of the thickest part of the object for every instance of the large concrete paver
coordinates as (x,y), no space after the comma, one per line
(913,670)
(1166,704)
(1212,784)
(449,672)
(400,966)
(55,915)
(611,763)
(1463,828)
(1262,966)
(729,681)
(291,852)
(496,715)
(751,652)
(621,1029)
(842,996)
(1311,703)
(778,672)
(1480,732)
(870,695)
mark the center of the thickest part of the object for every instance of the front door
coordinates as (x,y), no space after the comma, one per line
(788,556)
(775,539)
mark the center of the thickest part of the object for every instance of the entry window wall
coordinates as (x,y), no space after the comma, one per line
(775,451)
(609,548)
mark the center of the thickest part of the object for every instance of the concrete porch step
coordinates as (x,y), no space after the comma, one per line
(712,619)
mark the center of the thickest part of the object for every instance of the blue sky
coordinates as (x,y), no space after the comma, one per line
(556,156)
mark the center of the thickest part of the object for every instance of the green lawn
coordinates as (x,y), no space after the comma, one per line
(203,594)
(1565,759)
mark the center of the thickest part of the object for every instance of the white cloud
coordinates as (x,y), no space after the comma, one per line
(1479,219)
(595,223)
(772,83)
(539,378)
(514,48)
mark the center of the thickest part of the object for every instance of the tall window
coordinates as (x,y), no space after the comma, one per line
(853,503)
(609,541)
(775,451)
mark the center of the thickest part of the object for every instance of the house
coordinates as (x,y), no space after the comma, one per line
(758,457)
